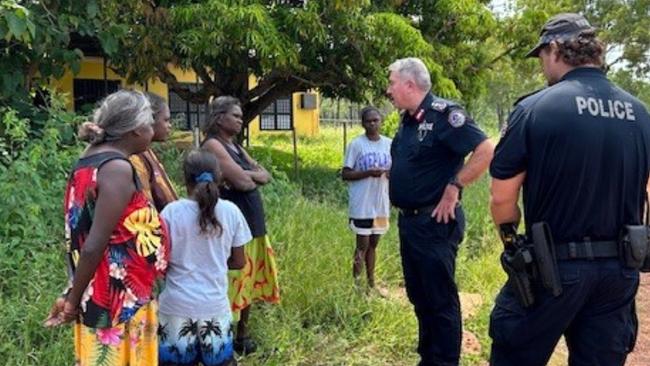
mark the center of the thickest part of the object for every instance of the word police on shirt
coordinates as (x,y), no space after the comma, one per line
(605,108)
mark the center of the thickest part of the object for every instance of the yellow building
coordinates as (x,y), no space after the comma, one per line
(94,80)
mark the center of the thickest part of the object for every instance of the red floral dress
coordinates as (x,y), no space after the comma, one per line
(137,252)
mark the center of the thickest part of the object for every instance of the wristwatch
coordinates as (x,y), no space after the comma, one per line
(454,182)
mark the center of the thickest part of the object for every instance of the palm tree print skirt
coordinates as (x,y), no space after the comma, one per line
(134,343)
(258,280)
(188,341)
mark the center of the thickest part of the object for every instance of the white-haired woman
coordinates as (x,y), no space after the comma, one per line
(117,245)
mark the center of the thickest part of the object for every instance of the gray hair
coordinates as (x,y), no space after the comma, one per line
(412,68)
(119,113)
(219,107)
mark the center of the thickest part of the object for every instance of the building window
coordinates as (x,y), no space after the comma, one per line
(87,92)
(277,116)
(186,114)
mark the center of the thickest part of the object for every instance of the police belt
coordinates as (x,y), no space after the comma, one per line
(587,250)
(417,211)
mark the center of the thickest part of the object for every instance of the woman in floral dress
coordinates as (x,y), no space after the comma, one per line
(117,245)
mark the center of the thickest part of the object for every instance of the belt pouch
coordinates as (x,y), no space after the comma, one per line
(634,246)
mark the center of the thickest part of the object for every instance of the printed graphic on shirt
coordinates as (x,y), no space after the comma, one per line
(372,160)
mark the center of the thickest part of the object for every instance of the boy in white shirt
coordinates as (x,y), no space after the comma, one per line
(366,166)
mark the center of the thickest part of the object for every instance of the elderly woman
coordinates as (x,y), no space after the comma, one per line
(117,245)
(242,176)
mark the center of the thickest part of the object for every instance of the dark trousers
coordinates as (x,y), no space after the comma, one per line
(595,313)
(428,252)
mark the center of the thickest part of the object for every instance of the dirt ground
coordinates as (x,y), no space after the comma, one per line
(640,356)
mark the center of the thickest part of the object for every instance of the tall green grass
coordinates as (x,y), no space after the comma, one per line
(322,319)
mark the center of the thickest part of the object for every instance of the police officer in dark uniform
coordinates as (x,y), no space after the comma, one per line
(426,179)
(580,149)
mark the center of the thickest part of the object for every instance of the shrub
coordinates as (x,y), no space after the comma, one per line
(390,125)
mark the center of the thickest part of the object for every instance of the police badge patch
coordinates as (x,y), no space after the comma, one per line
(457,118)
(423,129)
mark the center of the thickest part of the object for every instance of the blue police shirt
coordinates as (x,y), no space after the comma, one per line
(428,150)
(584,144)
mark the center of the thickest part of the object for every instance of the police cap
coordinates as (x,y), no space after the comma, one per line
(560,27)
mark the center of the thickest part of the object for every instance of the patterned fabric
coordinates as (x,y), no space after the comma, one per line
(155,182)
(258,280)
(133,343)
(185,341)
(137,251)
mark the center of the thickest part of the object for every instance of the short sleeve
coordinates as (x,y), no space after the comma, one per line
(350,155)
(510,155)
(242,233)
(460,133)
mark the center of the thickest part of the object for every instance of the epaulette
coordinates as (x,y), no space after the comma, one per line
(442,105)
(527,95)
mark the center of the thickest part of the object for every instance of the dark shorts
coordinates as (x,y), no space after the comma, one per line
(365,227)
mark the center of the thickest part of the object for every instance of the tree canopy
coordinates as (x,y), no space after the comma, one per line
(35,39)
(622,25)
(342,48)
(339,47)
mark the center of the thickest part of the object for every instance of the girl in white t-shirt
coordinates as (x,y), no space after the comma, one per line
(207,236)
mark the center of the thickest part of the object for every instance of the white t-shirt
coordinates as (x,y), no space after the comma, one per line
(197,277)
(368,197)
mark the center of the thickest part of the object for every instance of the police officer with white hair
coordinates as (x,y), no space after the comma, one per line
(427,176)
(580,149)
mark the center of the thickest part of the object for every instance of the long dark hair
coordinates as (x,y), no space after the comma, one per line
(218,108)
(201,172)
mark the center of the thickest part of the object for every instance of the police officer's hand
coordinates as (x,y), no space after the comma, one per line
(445,211)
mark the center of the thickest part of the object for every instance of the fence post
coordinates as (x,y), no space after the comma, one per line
(295,153)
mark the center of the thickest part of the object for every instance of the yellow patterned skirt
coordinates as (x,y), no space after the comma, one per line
(134,343)
(258,280)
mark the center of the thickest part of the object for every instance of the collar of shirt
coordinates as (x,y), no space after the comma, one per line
(418,116)
(579,72)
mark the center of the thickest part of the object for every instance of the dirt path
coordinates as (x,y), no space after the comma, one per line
(641,354)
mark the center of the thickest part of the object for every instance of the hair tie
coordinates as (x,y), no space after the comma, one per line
(204,177)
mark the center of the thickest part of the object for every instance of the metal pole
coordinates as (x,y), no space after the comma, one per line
(345,136)
(338,119)
(196,128)
(295,153)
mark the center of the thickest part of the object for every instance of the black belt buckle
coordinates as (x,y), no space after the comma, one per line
(415,211)
(589,249)
(573,250)
(408,212)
